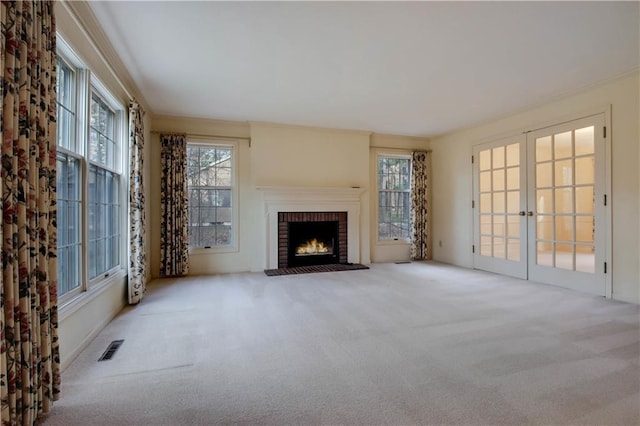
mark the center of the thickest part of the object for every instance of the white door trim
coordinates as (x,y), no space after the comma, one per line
(606,226)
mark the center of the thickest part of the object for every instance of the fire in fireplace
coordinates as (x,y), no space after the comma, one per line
(312,248)
(311,238)
(313,243)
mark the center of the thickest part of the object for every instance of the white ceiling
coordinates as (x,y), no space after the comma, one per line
(416,68)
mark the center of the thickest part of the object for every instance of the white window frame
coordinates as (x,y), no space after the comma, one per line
(234,246)
(386,154)
(120,135)
(69,153)
(68,56)
(85,84)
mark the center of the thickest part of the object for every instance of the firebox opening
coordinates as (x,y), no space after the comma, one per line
(313,243)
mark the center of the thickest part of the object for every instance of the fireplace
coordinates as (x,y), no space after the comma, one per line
(283,204)
(311,238)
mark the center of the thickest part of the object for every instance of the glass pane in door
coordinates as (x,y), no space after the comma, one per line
(565,207)
(499,185)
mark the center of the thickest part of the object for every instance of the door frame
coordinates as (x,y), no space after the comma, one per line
(551,275)
(542,124)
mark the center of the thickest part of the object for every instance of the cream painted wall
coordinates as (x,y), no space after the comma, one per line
(278,156)
(453,182)
(82,319)
(304,156)
(80,326)
(388,251)
(204,262)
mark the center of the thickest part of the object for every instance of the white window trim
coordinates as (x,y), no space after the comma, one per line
(86,83)
(234,246)
(72,304)
(121,153)
(120,131)
(68,56)
(66,52)
(387,241)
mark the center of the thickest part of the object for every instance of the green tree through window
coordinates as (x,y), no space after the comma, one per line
(210,183)
(394,204)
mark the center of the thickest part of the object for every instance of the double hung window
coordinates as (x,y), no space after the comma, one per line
(394,203)
(211,181)
(104,188)
(89,178)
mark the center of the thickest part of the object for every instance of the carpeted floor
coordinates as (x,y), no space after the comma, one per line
(419,343)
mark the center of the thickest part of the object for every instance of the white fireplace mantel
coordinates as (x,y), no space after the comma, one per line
(311,199)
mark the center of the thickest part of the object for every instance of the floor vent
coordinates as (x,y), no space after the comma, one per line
(111,350)
(402,263)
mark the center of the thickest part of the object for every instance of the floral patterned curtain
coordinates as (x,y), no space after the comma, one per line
(137,256)
(29,352)
(174,253)
(421,206)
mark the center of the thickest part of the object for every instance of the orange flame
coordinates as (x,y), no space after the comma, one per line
(312,247)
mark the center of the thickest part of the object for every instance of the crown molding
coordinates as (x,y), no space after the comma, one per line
(84,17)
(390,136)
(201,120)
(255,124)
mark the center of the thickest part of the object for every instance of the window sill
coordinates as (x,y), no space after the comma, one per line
(71,306)
(212,250)
(398,242)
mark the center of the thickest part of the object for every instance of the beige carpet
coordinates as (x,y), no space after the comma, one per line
(419,343)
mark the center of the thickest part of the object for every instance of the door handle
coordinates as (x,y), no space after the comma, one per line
(529,213)
(522,213)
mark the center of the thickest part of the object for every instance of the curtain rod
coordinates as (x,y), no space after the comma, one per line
(248,139)
(205,135)
(398,149)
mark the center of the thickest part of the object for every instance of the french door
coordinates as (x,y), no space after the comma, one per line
(500,201)
(539,205)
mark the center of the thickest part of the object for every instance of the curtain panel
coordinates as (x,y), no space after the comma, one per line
(174,240)
(138,249)
(29,352)
(421,206)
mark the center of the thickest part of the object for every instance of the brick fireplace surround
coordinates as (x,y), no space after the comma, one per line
(283,231)
(311,200)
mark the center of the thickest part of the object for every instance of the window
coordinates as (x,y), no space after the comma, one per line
(69,178)
(210,180)
(89,174)
(104,189)
(66,90)
(394,204)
